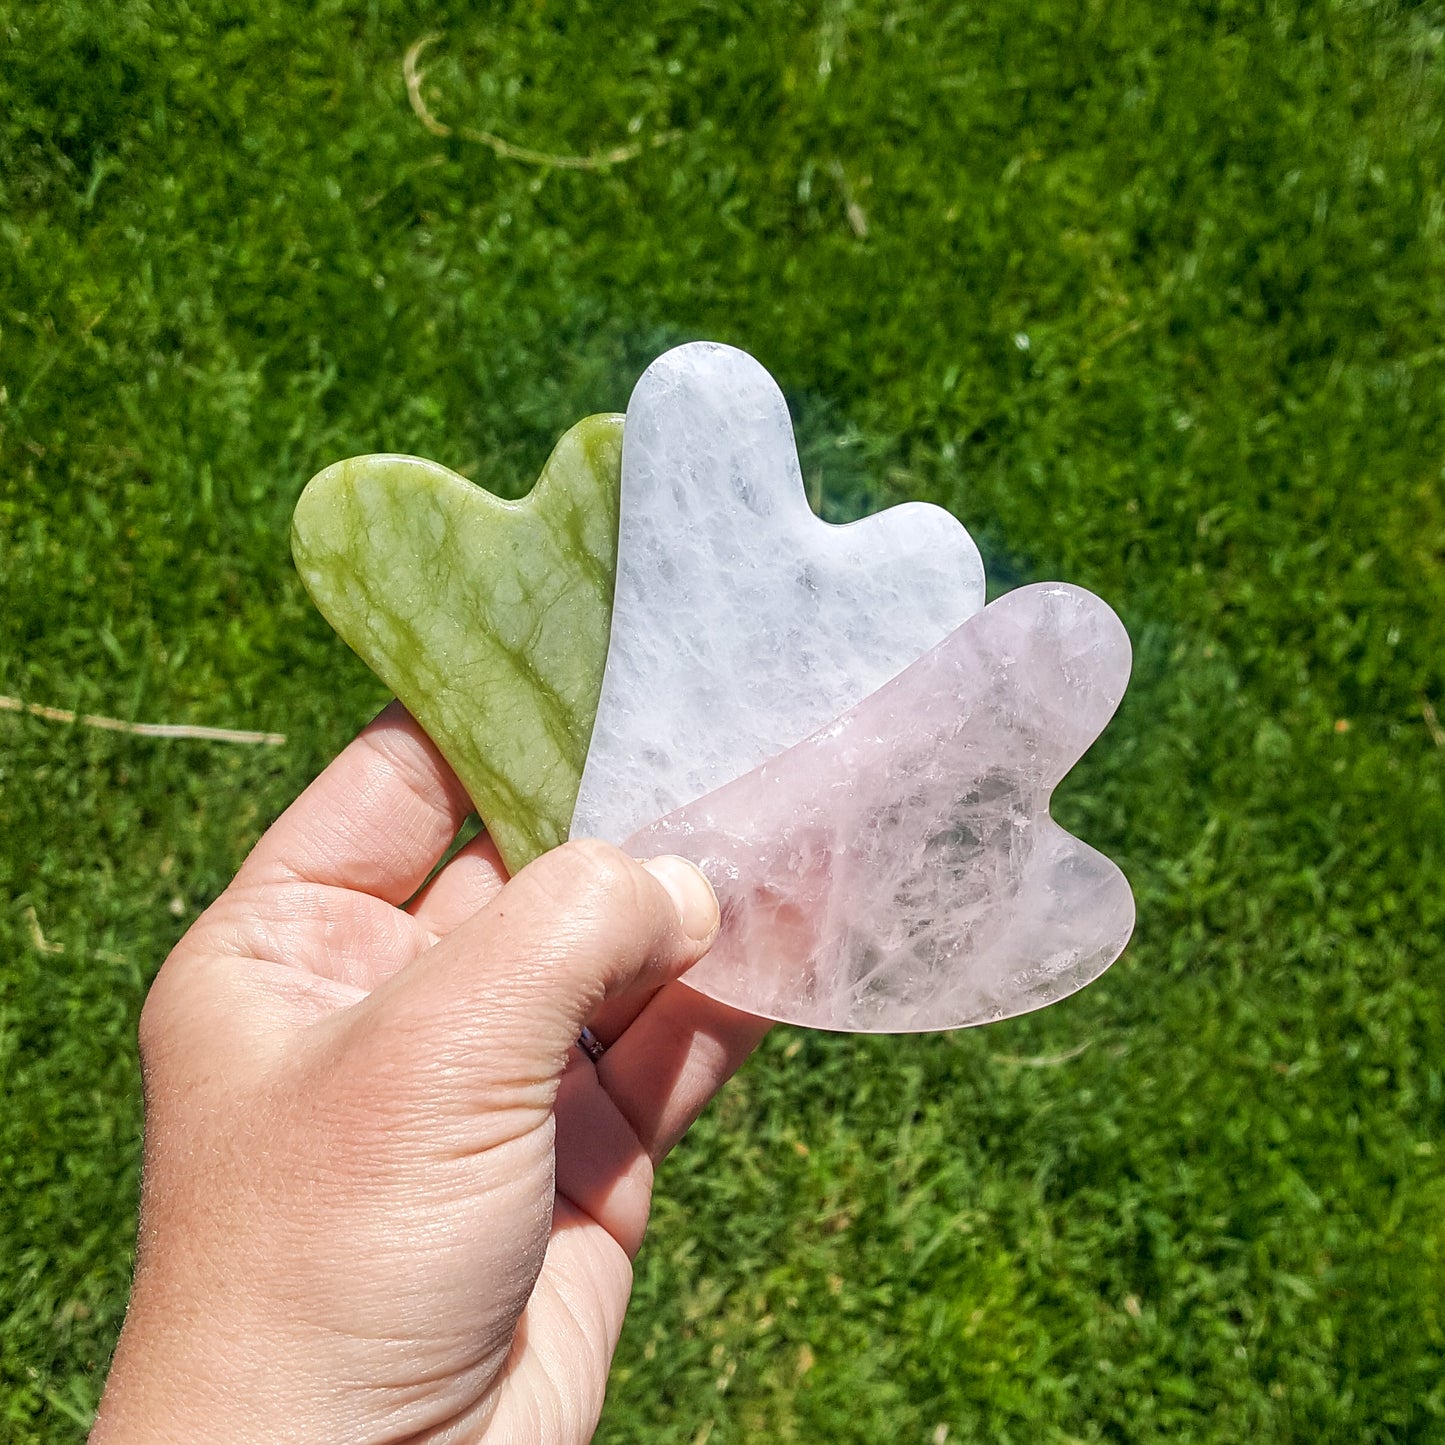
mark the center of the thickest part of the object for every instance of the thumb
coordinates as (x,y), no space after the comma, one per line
(483,1021)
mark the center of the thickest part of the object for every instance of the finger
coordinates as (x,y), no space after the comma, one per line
(556,1375)
(615,1016)
(681,1049)
(375,821)
(330,932)
(484,1022)
(464,886)
(600,1166)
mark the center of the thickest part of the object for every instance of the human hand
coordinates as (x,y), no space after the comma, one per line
(385,1197)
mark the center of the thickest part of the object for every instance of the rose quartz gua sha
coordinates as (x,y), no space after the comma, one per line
(741,622)
(898,871)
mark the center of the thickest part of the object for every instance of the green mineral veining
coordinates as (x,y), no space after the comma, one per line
(489,619)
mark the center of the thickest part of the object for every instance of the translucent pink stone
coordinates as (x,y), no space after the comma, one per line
(898,870)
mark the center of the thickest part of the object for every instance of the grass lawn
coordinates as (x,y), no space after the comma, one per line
(1153,298)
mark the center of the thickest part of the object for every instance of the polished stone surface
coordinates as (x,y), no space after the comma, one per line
(489,619)
(742,622)
(898,871)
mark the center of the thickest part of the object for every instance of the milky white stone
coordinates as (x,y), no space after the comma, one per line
(741,621)
(898,871)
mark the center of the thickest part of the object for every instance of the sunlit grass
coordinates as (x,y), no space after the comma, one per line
(1154,300)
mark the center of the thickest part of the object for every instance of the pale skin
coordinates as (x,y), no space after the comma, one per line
(386,1197)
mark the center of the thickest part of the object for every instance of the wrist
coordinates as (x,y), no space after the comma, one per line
(182,1374)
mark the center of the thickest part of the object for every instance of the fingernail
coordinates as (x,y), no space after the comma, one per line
(690,892)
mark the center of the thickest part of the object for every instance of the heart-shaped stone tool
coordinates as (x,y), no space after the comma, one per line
(489,619)
(898,871)
(741,621)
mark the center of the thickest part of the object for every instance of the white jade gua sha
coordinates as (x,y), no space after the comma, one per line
(898,871)
(742,622)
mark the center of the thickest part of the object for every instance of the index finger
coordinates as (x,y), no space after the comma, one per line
(672,1058)
(376,821)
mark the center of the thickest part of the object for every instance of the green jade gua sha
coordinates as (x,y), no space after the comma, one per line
(488,619)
